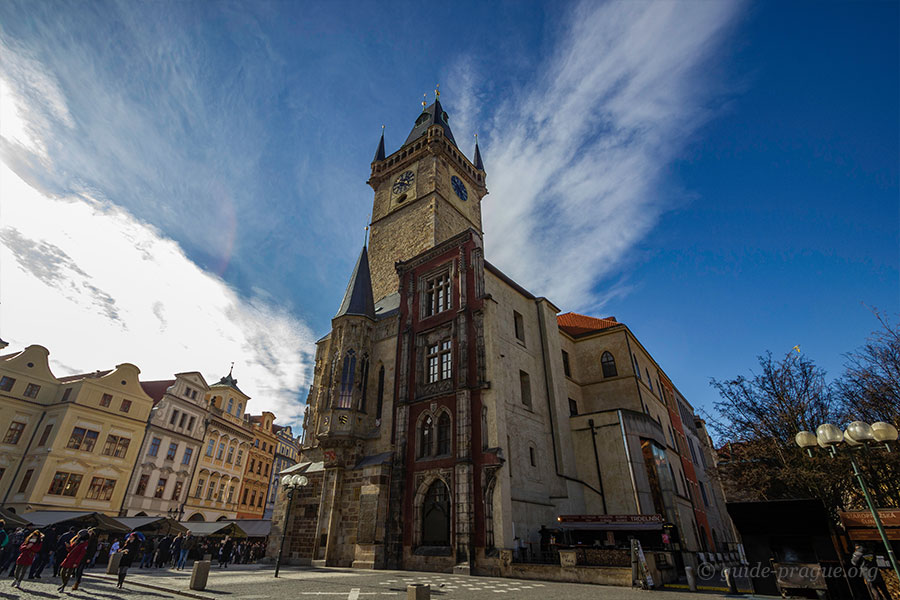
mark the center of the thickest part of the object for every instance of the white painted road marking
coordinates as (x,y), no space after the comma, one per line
(354,594)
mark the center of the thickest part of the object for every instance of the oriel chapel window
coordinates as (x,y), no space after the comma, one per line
(347,374)
(437,294)
(438,361)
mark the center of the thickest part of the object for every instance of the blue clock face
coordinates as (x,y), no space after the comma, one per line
(403,182)
(459,187)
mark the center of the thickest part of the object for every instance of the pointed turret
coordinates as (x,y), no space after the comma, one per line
(432,115)
(379,153)
(358,299)
(477,162)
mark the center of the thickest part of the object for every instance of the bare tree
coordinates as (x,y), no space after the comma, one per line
(758,417)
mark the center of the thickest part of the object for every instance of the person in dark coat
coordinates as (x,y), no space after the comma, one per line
(162,551)
(175,550)
(130,549)
(225,550)
(27,553)
(149,550)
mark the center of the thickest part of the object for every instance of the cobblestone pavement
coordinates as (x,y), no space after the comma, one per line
(255,583)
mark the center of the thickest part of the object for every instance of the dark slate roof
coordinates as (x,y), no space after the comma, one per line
(433,115)
(478,162)
(358,297)
(228,381)
(379,152)
(387,306)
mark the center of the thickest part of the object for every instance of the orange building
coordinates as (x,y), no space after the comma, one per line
(258,473)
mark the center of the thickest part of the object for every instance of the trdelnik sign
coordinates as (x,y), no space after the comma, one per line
(860,524)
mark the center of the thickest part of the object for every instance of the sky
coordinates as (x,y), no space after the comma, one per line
(183,183)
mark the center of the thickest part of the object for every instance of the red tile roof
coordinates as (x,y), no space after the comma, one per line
(576,324)
(157,389)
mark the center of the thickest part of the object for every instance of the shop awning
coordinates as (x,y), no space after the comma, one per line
(254,527)
(12,519)
(152,524)
(45,518)
(202,529)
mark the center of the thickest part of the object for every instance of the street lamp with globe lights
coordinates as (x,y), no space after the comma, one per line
(859,436)
(289,483)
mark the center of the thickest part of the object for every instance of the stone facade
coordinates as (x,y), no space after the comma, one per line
(453,415)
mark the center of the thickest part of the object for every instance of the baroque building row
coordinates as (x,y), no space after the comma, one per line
(454,414)
(108,442)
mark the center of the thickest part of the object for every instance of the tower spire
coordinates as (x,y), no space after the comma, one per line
(358,299)
(478,162)
(379,152)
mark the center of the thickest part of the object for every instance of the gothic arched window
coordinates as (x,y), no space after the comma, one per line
(364,373)
(426,434)
(443,435)
(380,392)
(347,375)
(489,515)
(436,515)
(609,365)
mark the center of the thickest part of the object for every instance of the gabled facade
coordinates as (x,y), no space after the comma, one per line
(258,474)
(214,492)
(69,443)
(171,447)
(287,452)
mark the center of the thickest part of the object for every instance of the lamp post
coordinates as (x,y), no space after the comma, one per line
(290,483)
(857,437)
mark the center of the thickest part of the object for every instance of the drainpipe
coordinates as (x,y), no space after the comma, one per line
(597,461)
(27,449)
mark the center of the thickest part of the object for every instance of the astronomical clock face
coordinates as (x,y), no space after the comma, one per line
(459,187)
(402,183)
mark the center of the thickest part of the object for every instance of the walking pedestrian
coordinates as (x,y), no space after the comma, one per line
(129,550)
(15,540)
(225,550)
(147,556)
(88,556)
(27,553)
(176,549)
(76,552)
(187,544)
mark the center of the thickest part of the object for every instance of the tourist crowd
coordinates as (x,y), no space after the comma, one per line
(67,552)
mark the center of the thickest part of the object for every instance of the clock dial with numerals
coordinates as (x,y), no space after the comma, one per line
(403,182)
(459,187)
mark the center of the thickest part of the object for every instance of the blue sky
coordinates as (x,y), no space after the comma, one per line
(183,183)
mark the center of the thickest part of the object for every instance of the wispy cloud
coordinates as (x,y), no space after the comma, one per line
(98,287)
(575,160)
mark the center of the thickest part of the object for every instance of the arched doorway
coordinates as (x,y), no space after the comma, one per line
(222,518)
(196,518)
(436,515)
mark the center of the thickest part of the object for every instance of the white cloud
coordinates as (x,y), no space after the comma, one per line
(98,288)
(574,161)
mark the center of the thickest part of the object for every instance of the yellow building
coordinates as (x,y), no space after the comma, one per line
(214,491)
(255,485)
(70,442)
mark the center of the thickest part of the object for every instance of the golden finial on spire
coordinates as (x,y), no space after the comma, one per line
(437,91)
(424,101)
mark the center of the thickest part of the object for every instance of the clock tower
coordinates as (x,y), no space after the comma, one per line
(425,193)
